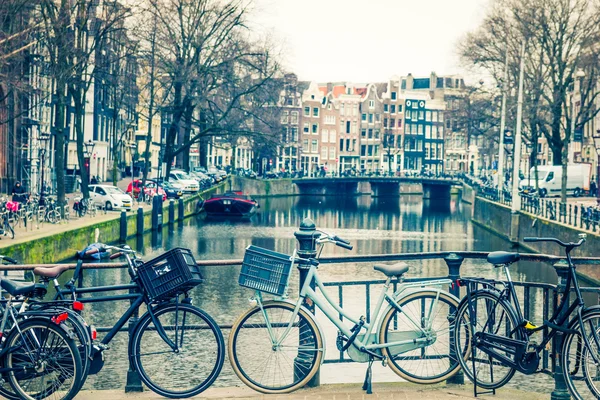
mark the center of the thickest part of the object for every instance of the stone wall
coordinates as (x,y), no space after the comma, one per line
(264,188)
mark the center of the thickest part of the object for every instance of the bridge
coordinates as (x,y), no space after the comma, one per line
(431,188)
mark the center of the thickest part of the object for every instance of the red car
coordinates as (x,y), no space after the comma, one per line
(149,189)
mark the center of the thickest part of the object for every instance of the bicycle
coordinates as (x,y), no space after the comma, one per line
(6,228)
(277,346)
(500,337)
(38,355)
(172,336)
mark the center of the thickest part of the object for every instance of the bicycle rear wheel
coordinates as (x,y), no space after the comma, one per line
(426,317)
(45,360)
(282,364)
(580,371)
(495,316)
(196,362)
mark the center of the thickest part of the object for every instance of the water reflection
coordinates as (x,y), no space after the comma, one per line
(374,226)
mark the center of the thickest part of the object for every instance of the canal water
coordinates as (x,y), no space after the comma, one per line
(373,225)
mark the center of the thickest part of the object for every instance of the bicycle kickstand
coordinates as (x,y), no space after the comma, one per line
(368,377)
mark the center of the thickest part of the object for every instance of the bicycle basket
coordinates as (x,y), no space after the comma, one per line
(170,274)
(265,270)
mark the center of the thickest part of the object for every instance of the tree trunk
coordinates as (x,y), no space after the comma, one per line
(185,156)
(79,113)
(173,128)
(150,114)
(563,182)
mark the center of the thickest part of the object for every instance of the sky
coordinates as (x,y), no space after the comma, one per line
(368,40)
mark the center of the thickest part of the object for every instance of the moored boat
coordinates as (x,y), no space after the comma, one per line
(229,204)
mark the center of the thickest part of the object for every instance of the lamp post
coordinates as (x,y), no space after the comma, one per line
(89,150)
(596,136)
(576,87)
(43,139)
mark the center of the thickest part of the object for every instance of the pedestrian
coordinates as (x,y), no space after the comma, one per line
(593,188)
(18,193)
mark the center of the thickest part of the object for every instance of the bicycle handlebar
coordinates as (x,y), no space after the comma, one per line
(338,241)
(9,260)
(560,242)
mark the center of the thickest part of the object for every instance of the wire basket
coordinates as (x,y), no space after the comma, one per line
(265,270)
(170,274)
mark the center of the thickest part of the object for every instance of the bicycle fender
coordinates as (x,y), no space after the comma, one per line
(399,295)
(311,316)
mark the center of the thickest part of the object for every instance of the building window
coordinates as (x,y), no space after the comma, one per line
(370,118)
(363,150)
(377,117)
(332,153)
(363,133)
(370,150)
(371,103)
(420,129)
(315,129)
(392,122)
(332,137)
(408,115)
(294,115)
(386,108)
(427,131)
(294,131)
(284,117)
(376,147)
(307,111)
(393,109)
(385,122)
(306,127)
(325,136)
(348,126)
(399,108)
(354,127)
(315,111)
(376,133)
(421,115)
(305,145)
(341,144)
(364,117)
(370,133)
(314,146)
(330,119)
(393,95)
(428,115)
(342,109)
(324,153)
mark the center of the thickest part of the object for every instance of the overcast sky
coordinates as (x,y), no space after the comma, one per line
(368,40)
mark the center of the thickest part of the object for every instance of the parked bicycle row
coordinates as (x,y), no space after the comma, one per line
(420,330)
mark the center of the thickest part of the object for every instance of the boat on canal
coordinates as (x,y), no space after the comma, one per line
(232,204)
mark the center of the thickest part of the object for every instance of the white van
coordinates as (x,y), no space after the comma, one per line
(550,179)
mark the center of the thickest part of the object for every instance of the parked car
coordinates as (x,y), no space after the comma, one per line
(172,190)
(188,183)
(218,174)
(247,173)
(149,190)
(204,180)
(110,197)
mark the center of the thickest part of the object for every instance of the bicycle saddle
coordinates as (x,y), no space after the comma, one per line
(50,272)
(502,257)
(20,288)
(397,269)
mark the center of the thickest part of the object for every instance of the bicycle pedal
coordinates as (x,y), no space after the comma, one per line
(340,341)
(384,361)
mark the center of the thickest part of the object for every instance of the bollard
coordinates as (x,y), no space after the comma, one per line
(171,212)
(156,213)
(454,261)
(181,211)
(123,227)
(560,391)
(307,248)
(140,221)
(134,383)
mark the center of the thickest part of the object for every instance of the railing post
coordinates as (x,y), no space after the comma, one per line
(181,211)
(454,261)
(171,212)
(156,213)
(307,248)
(134,383)
(560,391)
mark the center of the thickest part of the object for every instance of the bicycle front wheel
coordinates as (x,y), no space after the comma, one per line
(492,315)
(278,354)
(422,329)
(193,365)
(44,361)
(579,369)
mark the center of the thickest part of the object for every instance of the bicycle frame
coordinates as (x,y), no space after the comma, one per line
(332,311)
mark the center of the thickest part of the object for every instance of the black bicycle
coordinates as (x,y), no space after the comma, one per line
(177,348)
(500,337)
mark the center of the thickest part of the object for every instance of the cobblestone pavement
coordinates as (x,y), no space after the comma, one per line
(400,391)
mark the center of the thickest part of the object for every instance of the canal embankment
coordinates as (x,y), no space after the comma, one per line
(49,243)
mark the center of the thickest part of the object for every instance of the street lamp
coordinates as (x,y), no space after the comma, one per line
(89,150)
(596,137)
(580,74)
(43,139)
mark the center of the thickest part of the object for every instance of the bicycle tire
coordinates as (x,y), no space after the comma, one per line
(60,359)
(9,231)
(431,363)
(259,346)
(577,362)
(499,375)
(205,352)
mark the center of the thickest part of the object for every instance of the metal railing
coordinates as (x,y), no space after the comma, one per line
(529,292)
(575,215)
